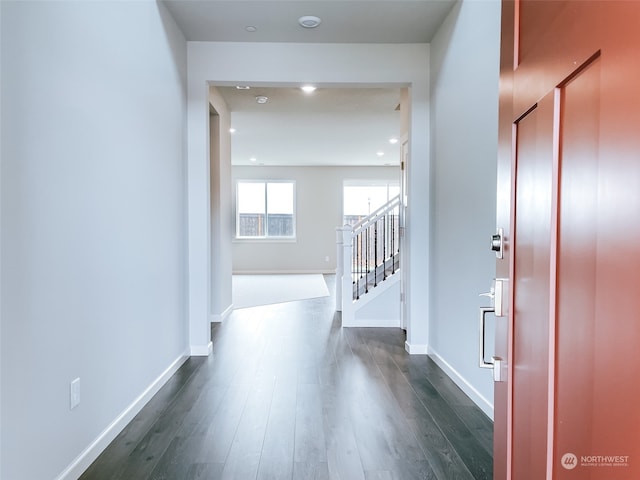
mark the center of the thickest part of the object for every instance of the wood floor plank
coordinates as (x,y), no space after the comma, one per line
(440,453)
(175,462)
(477,460)
(204,471)
(243,459)
(279,440)
(404,470)
(343,456)
(310,471)
(182,453)
(221,431)
(309,434)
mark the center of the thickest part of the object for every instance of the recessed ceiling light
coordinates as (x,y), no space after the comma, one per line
(243,87)
(253,159)
(262,99)
(232,130)
(309,21)
(393,141)
(251,28)
(380,153)
(308,88)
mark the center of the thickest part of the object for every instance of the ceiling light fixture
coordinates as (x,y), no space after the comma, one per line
(393,141)
(243,87)
(380,153)
(309,21)
(232,130)
(262,99)
(308,88)
(251,28)
(253,159)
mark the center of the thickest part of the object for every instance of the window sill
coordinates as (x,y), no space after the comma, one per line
(265,240)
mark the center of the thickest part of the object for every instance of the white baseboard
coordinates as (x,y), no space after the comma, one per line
(485,405)
(201,350)
(415,349)
(95,448)
(373,323)
(285,272)
(217,318)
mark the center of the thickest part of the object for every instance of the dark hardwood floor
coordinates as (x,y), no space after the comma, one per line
(289,394)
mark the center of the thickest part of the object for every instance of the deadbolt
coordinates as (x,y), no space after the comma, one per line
(497,243)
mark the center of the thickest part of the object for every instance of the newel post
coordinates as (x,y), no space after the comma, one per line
(339,267)
(346,280)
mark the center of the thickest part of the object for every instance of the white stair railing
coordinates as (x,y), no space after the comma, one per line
(368,253)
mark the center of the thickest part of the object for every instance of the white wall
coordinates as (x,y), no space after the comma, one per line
(222,226)
(318,214)
(383,310)
(464,108)
(279,64)
(1,210)
(93,221)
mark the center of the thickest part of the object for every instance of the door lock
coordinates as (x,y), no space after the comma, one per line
(497,243)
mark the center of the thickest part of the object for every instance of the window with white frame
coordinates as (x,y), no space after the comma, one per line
(265,209)
(362,197)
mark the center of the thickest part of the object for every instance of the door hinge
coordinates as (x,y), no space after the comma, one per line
(401,165)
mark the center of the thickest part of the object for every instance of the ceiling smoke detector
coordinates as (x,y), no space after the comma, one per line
(262,99)
(309,21)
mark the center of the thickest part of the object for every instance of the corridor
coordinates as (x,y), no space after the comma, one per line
(289,394)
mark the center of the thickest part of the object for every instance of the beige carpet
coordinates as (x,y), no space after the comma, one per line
(255,290)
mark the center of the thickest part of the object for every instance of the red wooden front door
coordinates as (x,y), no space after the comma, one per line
(570,165)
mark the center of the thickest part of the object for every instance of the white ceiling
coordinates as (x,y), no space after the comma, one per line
(337,126)
(332,126)
(346,21)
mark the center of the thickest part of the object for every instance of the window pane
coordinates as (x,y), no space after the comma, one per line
(280,209)
(280,225)
(377,197)
(251,197)
(280,198)
(251,209)
(251,225)
(360,200)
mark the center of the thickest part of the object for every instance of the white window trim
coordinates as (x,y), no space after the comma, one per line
(266,239)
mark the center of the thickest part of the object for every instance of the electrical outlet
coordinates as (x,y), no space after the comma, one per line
(74,393)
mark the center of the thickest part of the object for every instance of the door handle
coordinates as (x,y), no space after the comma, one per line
(496,363)
(482,363)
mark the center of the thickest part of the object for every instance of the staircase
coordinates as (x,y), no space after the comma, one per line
(367,274)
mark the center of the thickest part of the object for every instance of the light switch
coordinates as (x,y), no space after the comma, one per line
(74,393)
